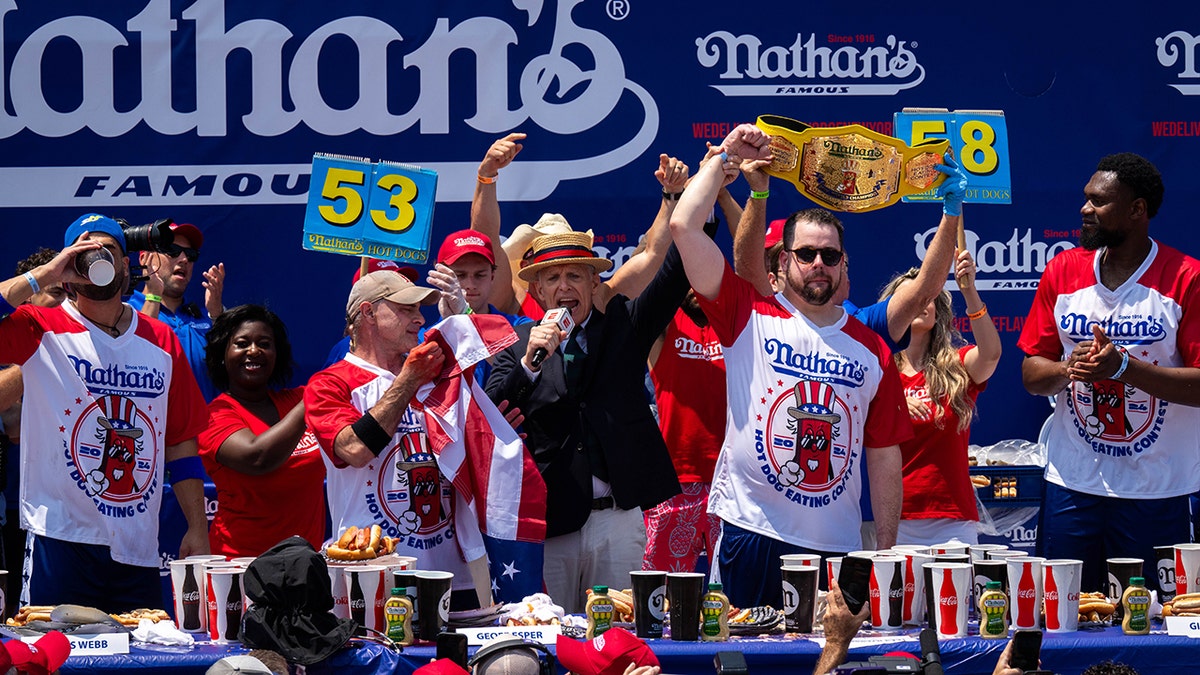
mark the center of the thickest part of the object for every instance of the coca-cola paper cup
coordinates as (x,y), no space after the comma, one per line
(365,592)
(887,592)
(1165,564)
(952,592)
(1060,594)
(226,602)
(914,586)
(800,560)
(1024,591)
(833,567)
(950,548)
(901,549)
(191,604)
(980,551)
(1005,554)
(1187,568)
(337,586)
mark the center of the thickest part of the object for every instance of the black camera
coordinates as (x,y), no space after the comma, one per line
(156,236)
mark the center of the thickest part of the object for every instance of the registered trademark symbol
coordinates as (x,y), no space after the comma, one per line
(914,44)
(617,9)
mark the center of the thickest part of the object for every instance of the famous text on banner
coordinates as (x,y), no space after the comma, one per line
(382,210)
(979,139)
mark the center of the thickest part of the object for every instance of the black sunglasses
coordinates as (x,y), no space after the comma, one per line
(808,254)
(173,251)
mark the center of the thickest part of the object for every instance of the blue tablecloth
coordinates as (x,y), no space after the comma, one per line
(1065,654)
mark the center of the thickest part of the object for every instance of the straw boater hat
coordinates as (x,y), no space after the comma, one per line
(563,249)
(518,243)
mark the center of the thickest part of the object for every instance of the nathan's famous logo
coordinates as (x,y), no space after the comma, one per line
(137,381)
(1128,330)
(1012,264)
(1115,418)
(688,348)
(413,499)
(835,368)
(113,455)
(1181,48)
(852,64)
(805,447)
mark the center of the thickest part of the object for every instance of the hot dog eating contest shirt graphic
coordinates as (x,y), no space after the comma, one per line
(804,402)
(106,409)
(402,490)
(1107,437)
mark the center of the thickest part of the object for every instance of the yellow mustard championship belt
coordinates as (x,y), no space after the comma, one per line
(850,168)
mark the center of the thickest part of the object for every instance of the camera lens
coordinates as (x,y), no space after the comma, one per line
(154,236)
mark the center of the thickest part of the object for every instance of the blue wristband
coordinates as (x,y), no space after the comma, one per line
(184,468)
(33,284)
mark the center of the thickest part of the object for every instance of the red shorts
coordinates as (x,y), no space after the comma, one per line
(679,530)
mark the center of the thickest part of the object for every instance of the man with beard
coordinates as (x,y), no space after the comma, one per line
(1114,335)
(810,390)
(168,274)
(116,409)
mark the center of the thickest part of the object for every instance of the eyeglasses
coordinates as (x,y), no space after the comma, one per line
(173,251)
(808,254)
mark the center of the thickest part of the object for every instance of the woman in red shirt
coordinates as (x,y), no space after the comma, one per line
(942,375)
(267,467)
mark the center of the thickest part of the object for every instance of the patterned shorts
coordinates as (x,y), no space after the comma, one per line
(679,530)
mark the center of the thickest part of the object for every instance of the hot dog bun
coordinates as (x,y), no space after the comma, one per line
(347,536)
(338,553)
(375,534)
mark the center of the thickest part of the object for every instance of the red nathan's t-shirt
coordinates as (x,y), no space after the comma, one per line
(937,481)
(256,512)
(689,387)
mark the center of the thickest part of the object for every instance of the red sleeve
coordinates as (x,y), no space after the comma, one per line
(21,334)
(187,414)
(327,410)
(730,311)
(224,419)
(888,422)
(1188,338)
(1039,337)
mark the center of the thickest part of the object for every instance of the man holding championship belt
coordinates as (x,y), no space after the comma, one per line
(1114,334)
(811,391)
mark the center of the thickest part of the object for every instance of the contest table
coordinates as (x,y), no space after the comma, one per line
(1062,653)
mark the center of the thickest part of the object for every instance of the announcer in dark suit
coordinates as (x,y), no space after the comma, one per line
(588,422)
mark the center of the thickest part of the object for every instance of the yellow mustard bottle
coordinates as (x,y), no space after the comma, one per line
(398,612)
(993,605)
(714,615)
(1136,603)
(599,612)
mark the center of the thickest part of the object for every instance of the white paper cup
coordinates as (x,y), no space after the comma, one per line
(226,603)
(1025,591)
(191,605)
(887,592)
(800,560)
(1006,554)
(833,567)
(244,561)
(914,586)
(1060,594)
(952,590)
(337,586)
(980,551)
(1187,568)
(950,548)
(364,591)
(901,549)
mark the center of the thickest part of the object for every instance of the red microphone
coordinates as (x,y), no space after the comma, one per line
(559,316)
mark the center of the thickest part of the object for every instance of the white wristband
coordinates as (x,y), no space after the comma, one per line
(1124,364)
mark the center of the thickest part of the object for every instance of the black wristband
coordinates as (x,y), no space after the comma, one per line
(371,434)
(672,196)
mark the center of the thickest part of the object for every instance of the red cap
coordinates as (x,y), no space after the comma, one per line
(190,232)
(441,667)
(463,242)
(375,265)
(774,233)
(607,654)
(43,657)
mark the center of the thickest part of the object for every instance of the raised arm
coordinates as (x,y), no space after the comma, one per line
(702,259)
(485,217)
(633,277)
(910,299)
(59,271)
(980,362)
(752,230)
